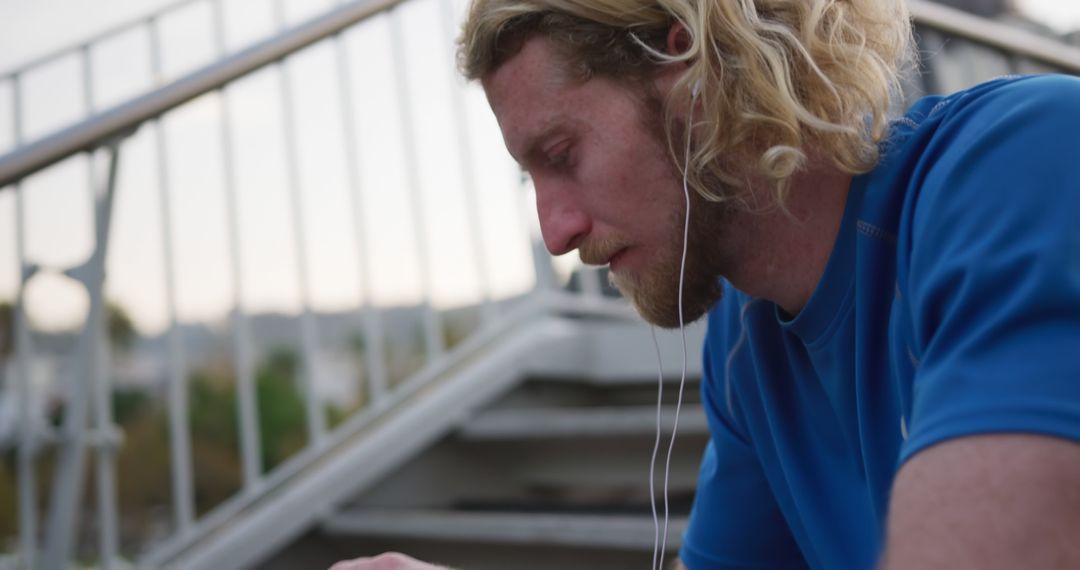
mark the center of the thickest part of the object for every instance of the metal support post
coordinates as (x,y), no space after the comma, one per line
(109,438)
(28,512)
(374,358)
(177,392)
(309,376)
(460,117)
(434,341)
(243,349)
(68,481)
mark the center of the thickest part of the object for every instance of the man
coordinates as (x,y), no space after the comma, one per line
(894,307)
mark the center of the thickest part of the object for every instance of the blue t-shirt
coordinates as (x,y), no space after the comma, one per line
(949,306)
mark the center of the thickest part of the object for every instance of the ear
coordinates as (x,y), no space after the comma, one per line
(678,39)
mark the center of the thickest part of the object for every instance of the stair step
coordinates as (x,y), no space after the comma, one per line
(524,423)
(618,531)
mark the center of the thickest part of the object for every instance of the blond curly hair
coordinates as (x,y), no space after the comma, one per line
(777,77)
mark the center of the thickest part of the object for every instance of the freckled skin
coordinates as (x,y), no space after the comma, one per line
(615,190)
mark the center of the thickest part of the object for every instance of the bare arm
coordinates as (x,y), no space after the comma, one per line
(988,502)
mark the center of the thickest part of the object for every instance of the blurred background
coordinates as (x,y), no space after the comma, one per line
(272,294)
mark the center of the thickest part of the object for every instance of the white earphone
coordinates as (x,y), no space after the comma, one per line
(660,543)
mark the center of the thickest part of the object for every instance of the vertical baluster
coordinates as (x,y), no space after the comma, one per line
(28,513)
(102,389)
(243,357)
(432,323)
(460,117)
(180,450)
(373,333)
(99,371)
(316,420)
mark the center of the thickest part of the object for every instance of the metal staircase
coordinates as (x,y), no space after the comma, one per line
(545,443)
(521,440)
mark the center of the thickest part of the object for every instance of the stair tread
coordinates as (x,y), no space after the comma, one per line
(622,531)
(525,423)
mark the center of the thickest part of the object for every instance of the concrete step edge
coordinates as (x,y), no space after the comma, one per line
(622,532)
(545,423)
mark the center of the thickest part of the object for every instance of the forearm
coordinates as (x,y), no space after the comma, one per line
(988,502)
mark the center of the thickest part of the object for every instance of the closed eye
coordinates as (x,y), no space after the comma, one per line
(558,157)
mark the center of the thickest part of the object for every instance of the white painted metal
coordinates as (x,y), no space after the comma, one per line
(546,279)
(434,343)
(84,379)
(631,532)
(470,350)
(94,39)
(28,512)
(623,353)
(402,431)
(243,348)
(1009,39)
(592,421)
(128,116)
(461,120)
(176,363)
(308,376)
(99,372)
(67,486)
(590,282)
(98,377)
(373,354)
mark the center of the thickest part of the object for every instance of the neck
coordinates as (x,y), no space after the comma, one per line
(787,251)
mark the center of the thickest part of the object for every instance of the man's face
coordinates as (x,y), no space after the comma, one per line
(605,184)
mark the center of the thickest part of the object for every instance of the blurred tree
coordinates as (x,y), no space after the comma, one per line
(282,420)
(7,329)
(120,327)
(129,404)
(7,339)
(215,451)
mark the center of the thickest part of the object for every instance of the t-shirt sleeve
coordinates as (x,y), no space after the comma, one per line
(994,277)
(735,522)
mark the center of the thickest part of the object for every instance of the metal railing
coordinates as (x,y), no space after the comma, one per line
(958,49)
(88,417)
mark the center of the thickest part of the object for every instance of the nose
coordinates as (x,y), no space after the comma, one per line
(563,223)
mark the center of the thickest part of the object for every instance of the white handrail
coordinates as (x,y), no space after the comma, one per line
(127,117)
(997,35)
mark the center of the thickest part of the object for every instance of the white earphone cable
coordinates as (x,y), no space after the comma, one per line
(656,449)
(661,542)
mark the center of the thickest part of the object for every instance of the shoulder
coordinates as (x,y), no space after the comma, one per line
(1024,108)
(1025,114)
(1011,142)
(1000,99)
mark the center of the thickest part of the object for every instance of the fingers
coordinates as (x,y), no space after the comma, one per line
(385,561)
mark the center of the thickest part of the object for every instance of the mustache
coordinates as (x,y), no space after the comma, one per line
(599,251)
